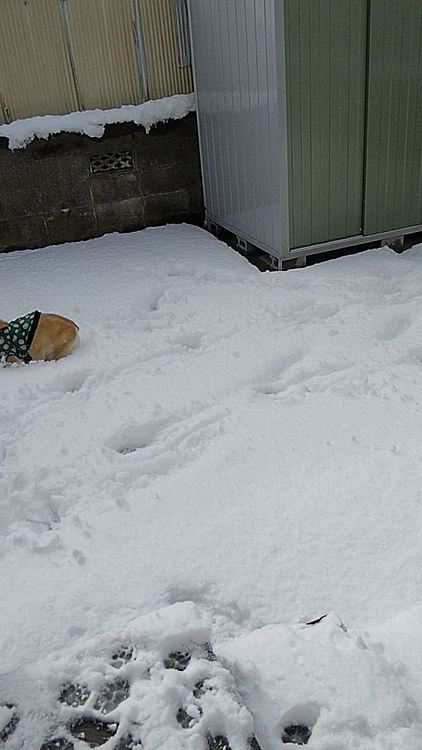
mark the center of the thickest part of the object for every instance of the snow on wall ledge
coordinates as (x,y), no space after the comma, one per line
(92,122)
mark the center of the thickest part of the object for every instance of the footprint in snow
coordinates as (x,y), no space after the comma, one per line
(325,310)
(137,437)
(296,375)
(298,723)
(392,329)
(162,445)
(71,382)
(155,296)
(271,381)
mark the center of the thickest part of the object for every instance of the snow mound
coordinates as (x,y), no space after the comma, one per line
(92,122)
(336,683)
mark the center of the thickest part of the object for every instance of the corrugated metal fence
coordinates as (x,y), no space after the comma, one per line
(58,56)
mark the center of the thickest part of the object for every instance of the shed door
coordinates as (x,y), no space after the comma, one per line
(326,60)
(394,139)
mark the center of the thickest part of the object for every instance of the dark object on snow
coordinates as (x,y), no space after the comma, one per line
(180,659)
(122,656)
(208,652)
(222,743)
(297,734)
(111,695)
(218,743)
(128,743)
(177,660)
(59,743)
(315,622)
(200,689)
(8,730)
(74,695)
(94,733)
(183,718)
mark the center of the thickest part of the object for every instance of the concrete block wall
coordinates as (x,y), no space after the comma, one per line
(50,192)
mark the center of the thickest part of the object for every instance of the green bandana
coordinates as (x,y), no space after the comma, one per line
(17,337)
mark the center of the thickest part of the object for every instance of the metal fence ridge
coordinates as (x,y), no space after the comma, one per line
(59,56)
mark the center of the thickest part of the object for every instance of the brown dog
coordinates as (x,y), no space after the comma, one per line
(37,336)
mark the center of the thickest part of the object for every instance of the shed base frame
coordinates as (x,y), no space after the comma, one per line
(397,239)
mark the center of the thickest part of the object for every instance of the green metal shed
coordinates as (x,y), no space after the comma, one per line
(310,119)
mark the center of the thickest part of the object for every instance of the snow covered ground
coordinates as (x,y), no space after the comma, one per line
(227,456)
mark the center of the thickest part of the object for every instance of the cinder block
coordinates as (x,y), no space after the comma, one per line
(23,232)
(172,205)
(113,187)
(124,216)
(75,222)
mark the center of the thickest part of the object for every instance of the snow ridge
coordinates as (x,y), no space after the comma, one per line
(92,122)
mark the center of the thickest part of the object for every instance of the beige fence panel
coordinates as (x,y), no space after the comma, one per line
(58,56)
(165,72)
(35,77)
(102,46)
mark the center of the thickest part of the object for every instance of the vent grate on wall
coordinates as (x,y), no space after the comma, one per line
(114,162)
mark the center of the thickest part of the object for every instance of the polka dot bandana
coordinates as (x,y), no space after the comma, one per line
(17,337)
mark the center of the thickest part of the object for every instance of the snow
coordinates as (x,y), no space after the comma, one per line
(92,122)
(156,692)
(338,683)
(6,714)
(227,456)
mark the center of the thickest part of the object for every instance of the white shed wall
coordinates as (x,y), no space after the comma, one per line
(238,50)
